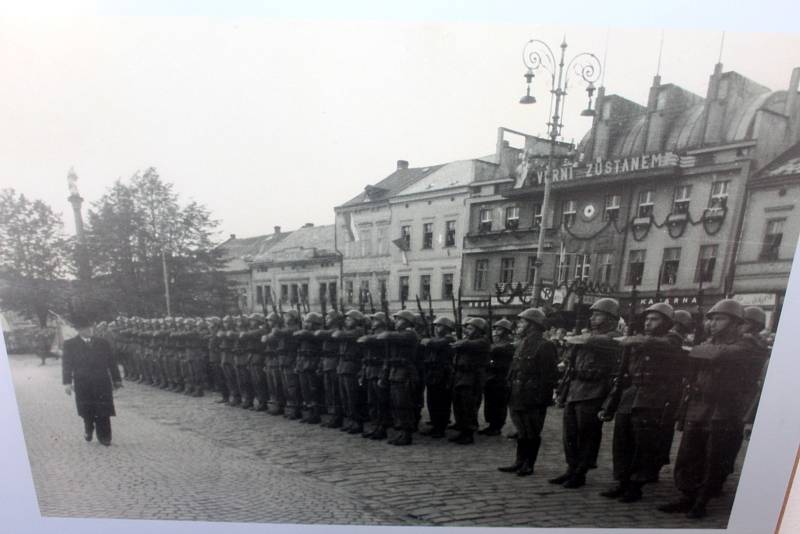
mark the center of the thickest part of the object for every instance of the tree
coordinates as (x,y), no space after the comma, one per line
(32,256)
(139,229)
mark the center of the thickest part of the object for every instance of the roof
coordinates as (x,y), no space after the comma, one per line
(236,251)
(786,164)
(304,243)
(453,174)
(391,185)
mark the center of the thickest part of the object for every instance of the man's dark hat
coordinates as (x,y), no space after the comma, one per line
(80,320)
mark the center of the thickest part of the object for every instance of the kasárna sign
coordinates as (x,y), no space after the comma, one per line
(611,167)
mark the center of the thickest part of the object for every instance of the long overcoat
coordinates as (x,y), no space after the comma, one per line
(91,369)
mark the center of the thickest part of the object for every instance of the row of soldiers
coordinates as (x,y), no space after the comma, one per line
(359,369)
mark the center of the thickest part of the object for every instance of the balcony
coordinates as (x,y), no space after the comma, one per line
(500,238)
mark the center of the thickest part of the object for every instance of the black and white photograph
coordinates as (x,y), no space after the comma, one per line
(375,273)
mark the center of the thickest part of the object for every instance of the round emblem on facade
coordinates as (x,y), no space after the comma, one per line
(589,211)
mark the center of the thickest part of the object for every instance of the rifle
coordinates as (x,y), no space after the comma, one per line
(275,309)
(455,315)
(371,304)
(430,311)
(491,320)
(385,306)
(361,306)
(323,305)
(422,313)
(459,317)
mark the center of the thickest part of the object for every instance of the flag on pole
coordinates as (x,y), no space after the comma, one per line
(350,226)
(64,331)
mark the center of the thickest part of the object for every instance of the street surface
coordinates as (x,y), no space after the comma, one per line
(183,458)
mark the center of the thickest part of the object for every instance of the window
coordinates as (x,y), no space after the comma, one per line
(512,218)
(365,236)
(405,234)
(537,215)
(268,294)
(568,213)
(383,241)
(447,286)
(332,291)
(531,271)
(481,275)
(645,204)
(605,261)
(294,295)
(770,251)
(427,235)
(669,266)
(259,295)
(719,195)
(485,220)
(450,234)
(403,288)
(706,261)
(507,270)
(348,290)
(680,202)
(304,293)
(611,211)
(284,293)
(382,289)
(365,288)
(323,292)
(635,267)
(562,268)
(424,286)
(583,266)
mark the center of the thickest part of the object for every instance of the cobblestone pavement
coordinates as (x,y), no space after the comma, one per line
(177,457)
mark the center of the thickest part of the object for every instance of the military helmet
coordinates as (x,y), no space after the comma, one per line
(728,307)
(259,317)
(273,317)
(405,315)
(445,321)
(662,308)
(355,315)
(683,317)
(505,324)
(606,305)
(102,324)
(333,316)
(534,315)
(419,319)
(755,315)
(477,322)
(292,315)
(378,317)
(313,318)
(213,319)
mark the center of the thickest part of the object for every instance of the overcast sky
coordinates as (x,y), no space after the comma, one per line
(276,122)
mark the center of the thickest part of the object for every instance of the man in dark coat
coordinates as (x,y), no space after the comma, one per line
(495,392)
(471,358)
(438,375)
(401,374)
(89,369)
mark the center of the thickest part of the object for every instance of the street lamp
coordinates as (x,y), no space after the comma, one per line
(538,55)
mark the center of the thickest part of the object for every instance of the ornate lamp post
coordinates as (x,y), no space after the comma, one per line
(76,200)
(538,55)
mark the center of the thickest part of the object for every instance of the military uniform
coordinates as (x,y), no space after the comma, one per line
(287,359)
(349,370)
(227,359)
(258,376)
(438,377)
(374,361)
(402,376)
(328,365)
(215,335)
(308,361)
(471,358)
(495,392)
(531,379)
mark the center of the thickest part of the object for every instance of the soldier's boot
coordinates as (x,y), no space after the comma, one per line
(698,509)
(465,438)
(518,461)
(526,469)
(617,491)
(403,439)
(379,433)
(223,400)
(235,401)
(682,505)
(313,416)
(438,432)
(633,493)
(560,479)
(356,428)
(336,422)
(577,480)
(247,404)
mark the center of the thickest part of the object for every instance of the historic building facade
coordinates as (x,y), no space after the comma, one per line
(650,207)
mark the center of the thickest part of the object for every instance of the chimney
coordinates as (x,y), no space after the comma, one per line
(233,236)
(277,229)
(792,109)
(712,114)
(402,164)
(308,225)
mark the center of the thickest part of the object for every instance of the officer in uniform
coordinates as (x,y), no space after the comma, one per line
(226,347)
(402,375)
(256,362)
(328,365)
(592,360)
(308,360)
(287,359)
(272,366)
(495,392)
(373,363)
(471,358)
(531,379)
(249,349)
(215,358)
(349,370)
(438,375)
(721,385)
(644,400)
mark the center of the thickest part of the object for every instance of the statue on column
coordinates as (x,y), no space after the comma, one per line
(72,183)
